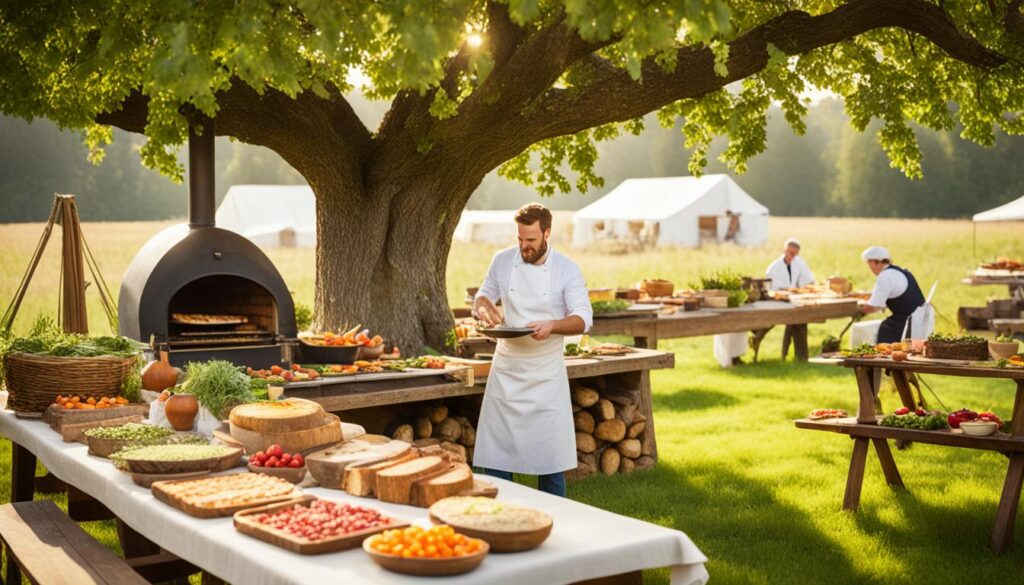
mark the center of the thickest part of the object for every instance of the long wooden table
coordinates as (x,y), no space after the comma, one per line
(865,431)
(572,554)
(648,330)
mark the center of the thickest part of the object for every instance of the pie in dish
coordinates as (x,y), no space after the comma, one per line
(227,491)
(489,515)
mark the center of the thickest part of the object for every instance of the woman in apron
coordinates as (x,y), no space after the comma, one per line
(526,423)
(895,289)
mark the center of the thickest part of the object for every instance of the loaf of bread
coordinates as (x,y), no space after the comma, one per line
(361,478)
(450,482)
(394,484)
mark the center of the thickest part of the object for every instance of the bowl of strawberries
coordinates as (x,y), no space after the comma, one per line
(276,462)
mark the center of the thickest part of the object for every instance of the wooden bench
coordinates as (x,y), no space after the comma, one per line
(51,549)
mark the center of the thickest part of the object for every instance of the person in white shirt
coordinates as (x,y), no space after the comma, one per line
(791,271)
(896,289)
(526,421)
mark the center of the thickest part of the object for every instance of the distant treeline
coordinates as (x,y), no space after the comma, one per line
(831,170)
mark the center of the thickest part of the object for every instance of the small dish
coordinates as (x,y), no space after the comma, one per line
(1002,350)
(289,474)
(978,428)
(427,567)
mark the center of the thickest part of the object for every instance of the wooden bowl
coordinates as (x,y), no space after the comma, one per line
(1002,350)
(289,474)
(427,567)
(104,447)
(222,463)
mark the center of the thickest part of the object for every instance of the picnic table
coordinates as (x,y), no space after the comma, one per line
(587,543)
(647,330)
(865,430)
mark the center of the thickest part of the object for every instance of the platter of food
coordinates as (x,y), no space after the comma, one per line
(293,423)
(825,413)
(506,527)
(177,458)
(104,441)
(223,495)
(409,551)
(506,332)
(312,526)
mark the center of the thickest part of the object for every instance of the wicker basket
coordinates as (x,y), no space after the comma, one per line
(657,287)
(34,381)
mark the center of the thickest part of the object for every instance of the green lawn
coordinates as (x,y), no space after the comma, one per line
(759,497)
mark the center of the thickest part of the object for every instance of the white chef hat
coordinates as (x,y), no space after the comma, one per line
(875,253)
(791,242)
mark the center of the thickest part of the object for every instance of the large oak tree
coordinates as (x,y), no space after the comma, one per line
(477,85)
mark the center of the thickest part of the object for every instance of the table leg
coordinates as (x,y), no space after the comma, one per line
(892,474)
(867,388)
(855,479)
(756,337)
(899,377)
(1017,422)
(1002,532)
(134,544)
(23,474)
(800,351)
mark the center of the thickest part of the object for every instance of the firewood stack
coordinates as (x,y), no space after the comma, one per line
(434,424)
(611,432)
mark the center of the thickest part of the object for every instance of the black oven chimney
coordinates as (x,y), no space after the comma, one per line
(201,188)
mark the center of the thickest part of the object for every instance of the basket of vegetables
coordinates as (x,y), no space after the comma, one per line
(47,363)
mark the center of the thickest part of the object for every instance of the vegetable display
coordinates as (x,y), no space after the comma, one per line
(130,432)
(218,385)
(612,306)
(323,519)
(919,419)
(436,542)
(275,456)
(170,452)
(965,414)
(91,403)
(942,338)
(721,280)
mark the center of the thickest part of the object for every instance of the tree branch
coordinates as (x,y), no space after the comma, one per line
(617,97)
(298,129)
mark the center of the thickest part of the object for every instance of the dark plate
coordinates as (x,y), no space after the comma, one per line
(507,332)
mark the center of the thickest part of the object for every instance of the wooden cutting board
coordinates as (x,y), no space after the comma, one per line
(245,523)
(281,416)
(163,491)
(327,432)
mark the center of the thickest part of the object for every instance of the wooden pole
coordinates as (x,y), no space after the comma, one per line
(75,318)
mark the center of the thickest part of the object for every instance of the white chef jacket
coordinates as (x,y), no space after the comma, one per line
(801,273)
(889,284)
(568,289)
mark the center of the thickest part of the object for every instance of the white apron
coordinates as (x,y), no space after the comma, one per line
(526,423)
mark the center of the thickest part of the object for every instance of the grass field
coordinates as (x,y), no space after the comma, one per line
(759,497)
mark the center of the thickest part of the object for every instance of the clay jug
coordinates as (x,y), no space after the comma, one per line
(159,375)
(181,411)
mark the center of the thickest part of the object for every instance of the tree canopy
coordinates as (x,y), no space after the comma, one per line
(542,79)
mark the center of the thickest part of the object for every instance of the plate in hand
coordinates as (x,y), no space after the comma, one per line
(502,332)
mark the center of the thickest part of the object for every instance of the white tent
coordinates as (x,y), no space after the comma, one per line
(1012,211)
(673,210)
(271,216)
(487,226)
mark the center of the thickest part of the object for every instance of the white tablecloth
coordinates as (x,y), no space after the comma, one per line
(586,542)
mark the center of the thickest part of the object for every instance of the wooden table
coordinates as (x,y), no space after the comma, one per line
(382,389)
(647,330)
(865,430)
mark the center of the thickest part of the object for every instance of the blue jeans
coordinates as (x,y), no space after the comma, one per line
(552,483)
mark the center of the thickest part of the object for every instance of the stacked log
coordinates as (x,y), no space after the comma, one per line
(611,432)
(434,424)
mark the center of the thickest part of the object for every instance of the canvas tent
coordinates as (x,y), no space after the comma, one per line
(679,211)
(271,216)
(487,226)
(1012,211)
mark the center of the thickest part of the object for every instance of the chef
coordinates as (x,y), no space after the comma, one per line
(790,271)
(896,289)
(526,423)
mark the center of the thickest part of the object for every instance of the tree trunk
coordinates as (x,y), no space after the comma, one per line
(381,256)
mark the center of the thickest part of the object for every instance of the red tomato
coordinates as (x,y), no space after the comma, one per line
(298,457)
(294,463)
(275,451)
(271,461)
(285,458)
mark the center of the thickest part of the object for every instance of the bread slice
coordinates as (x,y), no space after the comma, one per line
(327,466)
(394,484)
(361,478)
(451,482)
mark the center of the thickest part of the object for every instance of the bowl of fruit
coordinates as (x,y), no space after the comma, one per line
(974,423)
(437,550)
(275,462)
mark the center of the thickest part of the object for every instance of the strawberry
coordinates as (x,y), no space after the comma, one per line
(920,412)
(903,410)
